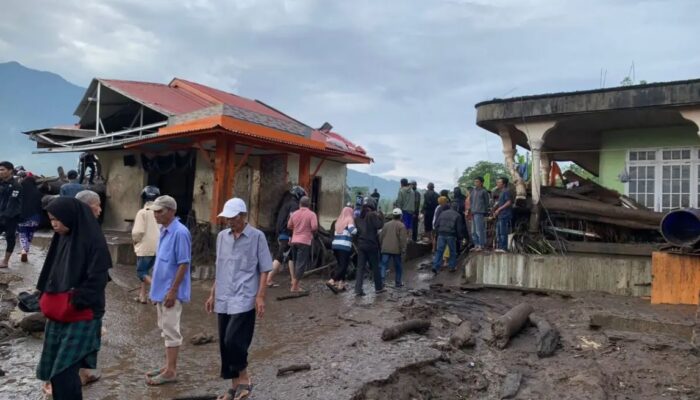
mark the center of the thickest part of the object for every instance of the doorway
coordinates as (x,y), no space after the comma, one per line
(173,174)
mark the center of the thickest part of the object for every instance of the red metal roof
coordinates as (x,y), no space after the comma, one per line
(163,98)
(227,98)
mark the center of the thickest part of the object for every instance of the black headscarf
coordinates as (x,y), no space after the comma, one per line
(79,260)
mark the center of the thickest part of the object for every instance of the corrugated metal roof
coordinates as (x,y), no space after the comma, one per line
(163,98)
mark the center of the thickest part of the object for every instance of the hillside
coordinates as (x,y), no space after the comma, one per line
(387,188)
(31,99)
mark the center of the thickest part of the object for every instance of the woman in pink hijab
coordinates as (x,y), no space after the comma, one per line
(342,248)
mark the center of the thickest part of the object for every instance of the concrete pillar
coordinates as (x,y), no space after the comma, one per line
(535,133)
(545,165)
(509,155)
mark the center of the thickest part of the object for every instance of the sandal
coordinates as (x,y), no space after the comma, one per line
(229,395)
(273,285)
(160,380)
(140,300)
(88,378)
(154,373)
(243,391)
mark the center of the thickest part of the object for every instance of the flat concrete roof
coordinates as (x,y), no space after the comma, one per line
(662,94)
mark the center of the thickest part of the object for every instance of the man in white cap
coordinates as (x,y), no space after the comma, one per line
(243,261)
(393,237)
(170,284)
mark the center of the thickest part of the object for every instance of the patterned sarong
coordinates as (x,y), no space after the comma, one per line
(68,343)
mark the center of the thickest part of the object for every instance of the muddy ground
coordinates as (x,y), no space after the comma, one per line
(340,337)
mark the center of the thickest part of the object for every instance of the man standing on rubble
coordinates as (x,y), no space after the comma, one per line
(406,201)
(479,208)
(416,211)
(503,214)
(238,294)
(71,188)
(10,208)
(430,203)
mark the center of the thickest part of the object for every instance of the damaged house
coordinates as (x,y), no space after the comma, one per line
(642,144)
(202,146)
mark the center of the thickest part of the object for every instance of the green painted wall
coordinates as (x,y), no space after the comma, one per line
(616,143)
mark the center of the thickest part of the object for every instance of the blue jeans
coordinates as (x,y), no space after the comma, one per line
(502,232)
(144,265)
(442,242)
(384,265)
(479,229)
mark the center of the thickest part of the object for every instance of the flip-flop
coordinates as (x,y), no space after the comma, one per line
(332,287)
(273,285)
(154,373)
(243,391)
(160,380)
(90,378)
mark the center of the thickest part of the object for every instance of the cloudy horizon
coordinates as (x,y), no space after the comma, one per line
(399,78)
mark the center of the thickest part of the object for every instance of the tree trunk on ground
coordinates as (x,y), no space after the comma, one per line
(547,336)
(593,208)
(510,323)
(414,325)
(293,368)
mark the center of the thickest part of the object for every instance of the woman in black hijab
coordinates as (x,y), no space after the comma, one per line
(72,285)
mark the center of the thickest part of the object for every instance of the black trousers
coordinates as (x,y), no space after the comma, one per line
(84,168)
(235,336)
(66,384)
(365,256)
(302,259)
(10,229)
(343,258)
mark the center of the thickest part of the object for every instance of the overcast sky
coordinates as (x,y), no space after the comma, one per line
(398,77)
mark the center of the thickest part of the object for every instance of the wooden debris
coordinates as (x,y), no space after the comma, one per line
(415,325)
(463,336)
(547,336)
(510,323)
(293,368)
(607,211)
(292,296)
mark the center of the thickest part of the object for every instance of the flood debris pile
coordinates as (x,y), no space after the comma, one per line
(584,211)
(498,344)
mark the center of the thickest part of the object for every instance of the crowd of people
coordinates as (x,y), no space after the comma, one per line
(71,286)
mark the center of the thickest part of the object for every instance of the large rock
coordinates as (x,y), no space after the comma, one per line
(34,322)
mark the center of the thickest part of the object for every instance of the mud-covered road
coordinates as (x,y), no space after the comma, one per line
(339,336)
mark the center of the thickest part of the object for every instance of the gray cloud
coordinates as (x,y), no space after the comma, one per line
(399,78)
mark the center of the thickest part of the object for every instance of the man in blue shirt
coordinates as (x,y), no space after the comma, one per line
(170,284)
(71,188)
(504,214)
(243,262)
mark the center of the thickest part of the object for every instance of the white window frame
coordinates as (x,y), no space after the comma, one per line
(658,163)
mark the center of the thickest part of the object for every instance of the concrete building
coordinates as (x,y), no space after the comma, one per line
(641,141)
(202,146)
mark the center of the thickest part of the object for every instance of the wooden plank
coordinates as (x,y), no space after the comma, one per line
(675,278)
(305,171)
(623,249)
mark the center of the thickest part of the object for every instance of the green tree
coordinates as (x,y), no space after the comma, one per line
(484,169)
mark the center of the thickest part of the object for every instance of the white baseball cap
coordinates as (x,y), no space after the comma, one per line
(233,207)
(397,211)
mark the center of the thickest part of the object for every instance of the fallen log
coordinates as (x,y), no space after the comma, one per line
(510,323)
(612,221)
(547,336)
(313,271)
(415,325)
(603,210)
(292,296)
(463,336)
(293,368)
(524,290)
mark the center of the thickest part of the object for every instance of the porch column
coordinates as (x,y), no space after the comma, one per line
(535,133)
(546,167)
(509,154)
(305,171)
(224,173)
